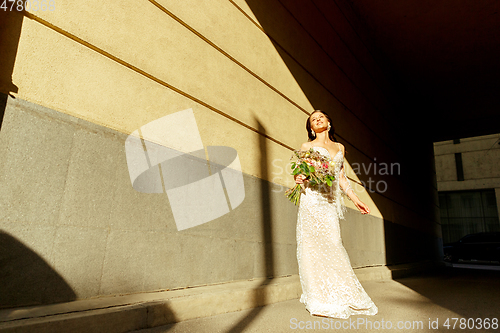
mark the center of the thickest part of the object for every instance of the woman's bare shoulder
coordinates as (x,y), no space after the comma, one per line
(306,146)
(341,147)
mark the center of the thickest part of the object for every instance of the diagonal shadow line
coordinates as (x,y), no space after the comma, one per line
(149,76)
(10,31)
(259,296)
(280,49)
(208,41)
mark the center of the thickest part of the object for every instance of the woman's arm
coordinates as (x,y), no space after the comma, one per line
(345,185)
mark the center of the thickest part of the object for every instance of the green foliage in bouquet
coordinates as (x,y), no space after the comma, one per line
(318,169)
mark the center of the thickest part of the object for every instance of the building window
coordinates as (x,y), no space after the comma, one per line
(467,212)
(460,167)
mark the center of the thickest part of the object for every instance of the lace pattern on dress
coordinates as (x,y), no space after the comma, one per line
(329,286)
(341,207)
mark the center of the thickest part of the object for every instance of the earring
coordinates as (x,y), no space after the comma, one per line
(313,133)
(329,126)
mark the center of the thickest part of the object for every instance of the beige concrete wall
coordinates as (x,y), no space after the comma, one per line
(480,159)
(87,74)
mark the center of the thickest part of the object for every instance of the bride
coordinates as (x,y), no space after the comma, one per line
(329,286)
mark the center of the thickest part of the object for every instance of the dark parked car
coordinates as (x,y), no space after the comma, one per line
(481,248)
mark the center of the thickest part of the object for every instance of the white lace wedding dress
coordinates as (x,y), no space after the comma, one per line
(329,286)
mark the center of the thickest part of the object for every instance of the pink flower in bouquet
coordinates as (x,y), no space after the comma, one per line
(317,168)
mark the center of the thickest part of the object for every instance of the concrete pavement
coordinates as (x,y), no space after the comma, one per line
(123,313)
(423,303)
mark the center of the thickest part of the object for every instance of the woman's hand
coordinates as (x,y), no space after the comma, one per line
(300,179)
(363,208)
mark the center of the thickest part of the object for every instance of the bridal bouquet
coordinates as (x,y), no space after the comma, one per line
(317,168)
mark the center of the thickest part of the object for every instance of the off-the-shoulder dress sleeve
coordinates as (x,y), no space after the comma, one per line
(344,182)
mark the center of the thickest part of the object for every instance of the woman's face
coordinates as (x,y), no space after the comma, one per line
(318,122)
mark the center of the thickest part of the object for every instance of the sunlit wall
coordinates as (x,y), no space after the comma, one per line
(83,76)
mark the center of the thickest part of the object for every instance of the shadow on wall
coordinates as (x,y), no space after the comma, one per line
(10,30)
(404,245)
(259,297)
(26,278)
(321,79)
